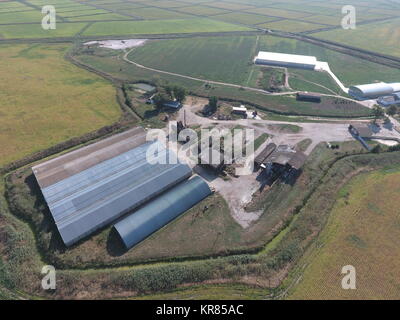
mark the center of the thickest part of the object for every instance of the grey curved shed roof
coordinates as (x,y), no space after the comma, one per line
(373,90)
(95,197)
(156,214)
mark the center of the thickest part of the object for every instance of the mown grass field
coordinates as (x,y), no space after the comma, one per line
(224,59)
(362,231)
(45,99)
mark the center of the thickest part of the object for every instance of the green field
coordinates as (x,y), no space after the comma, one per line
(229,59)
(224,59)
(27,31)
(299,26)
(170,17)
(46,100)
(97,17)
(107,61)
(382,37)
(160,27)
(363,231)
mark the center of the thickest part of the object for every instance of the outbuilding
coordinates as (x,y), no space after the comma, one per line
(308,96)
(363,131)
(89,188)
(373,90)
(393,99)
(286,60)
(140,224)
(242,110)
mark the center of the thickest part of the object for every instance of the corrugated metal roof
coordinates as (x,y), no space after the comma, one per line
(371,90)
(283,57)
(87,201)
(156,214)
(363,130)
(298,160)
(265,153)
(62,167)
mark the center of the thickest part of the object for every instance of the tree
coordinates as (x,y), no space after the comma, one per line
(213,104)
(159,100)
(392,110)
(179,94)
(378,112)
(376,149)
(386,120)
(169,91)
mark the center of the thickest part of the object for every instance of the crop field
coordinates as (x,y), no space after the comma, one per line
(362,231)
(229,59)
(382,37)
(160,27)
(53,101)
(300,16)
(221,58)
(28,31)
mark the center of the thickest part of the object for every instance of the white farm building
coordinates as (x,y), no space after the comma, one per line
(286,60)
(373,90)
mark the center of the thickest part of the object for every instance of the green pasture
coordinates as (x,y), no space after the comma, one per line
(161,27)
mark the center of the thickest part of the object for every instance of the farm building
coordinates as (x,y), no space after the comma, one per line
(298,160)
(264,154)
(172,104)
(153,216)
(373,90)
(393,99)
(363,131)
(91,187)
(284,158)
(242,110)
(308,96)
(286,60)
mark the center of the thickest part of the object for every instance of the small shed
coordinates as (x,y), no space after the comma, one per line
(363,131)
(308,96)
(172,104)
(240,110)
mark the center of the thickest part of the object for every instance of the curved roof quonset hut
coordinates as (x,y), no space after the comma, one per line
(156,214)
(373,90)
(88,190)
